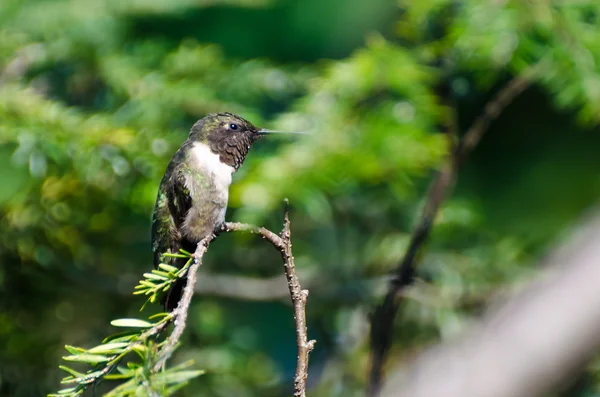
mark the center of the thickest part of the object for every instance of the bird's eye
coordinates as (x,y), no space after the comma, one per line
(233,126)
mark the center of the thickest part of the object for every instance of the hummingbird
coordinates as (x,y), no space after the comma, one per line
(192,197)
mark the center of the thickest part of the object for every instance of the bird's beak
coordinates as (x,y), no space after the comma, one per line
(263,131)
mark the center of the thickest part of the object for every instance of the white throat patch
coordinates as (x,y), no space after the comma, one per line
(205,159)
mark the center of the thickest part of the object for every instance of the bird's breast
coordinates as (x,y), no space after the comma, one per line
(207,180)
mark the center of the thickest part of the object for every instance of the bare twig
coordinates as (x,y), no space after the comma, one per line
(273,238)
(299,297)
(180,313)
(283,244)
(383,319)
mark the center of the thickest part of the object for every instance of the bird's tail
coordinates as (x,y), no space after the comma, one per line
(171,298)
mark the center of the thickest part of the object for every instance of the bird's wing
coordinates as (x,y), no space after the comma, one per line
(172,204)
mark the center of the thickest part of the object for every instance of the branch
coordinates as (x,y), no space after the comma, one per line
(299,297)
(283,244)
(382,321)
(179,315)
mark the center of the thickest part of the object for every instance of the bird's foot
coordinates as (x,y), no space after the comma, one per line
(220,229)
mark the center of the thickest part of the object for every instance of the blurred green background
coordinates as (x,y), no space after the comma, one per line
(96,96)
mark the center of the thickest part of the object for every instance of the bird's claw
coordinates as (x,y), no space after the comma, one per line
(220,229)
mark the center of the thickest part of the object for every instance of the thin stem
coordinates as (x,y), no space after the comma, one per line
(180,313)
(299,297)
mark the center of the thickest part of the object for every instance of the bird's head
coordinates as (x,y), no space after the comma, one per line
(226,134)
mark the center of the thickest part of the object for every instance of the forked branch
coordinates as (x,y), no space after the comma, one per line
(283,244)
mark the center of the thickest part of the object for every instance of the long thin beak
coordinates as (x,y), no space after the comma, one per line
(263,131)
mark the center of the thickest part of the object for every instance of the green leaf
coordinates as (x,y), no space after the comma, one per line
(140,348)
(118,376)
(83,379)
(125,371)
(159,315)
(71,371)
(155,276)
(131,322)
(87,358)
(115,347)
(168,268)
(144,305)
(126,336)
(168,377)
(74,349)
(142,351)
(133,366)
(176,255)
(185,364)
(164,275)
(71,391)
